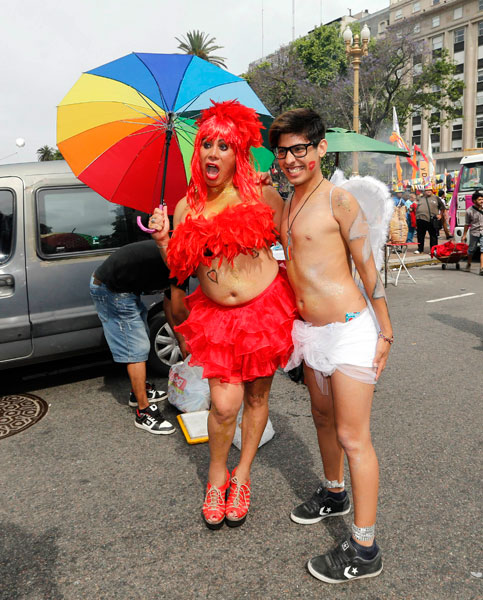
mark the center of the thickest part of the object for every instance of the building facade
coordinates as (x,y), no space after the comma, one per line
(456,25)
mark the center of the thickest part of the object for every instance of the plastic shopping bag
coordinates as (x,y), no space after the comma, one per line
(187,391)
(267,435)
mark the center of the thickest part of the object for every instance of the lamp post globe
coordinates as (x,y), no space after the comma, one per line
(20,142)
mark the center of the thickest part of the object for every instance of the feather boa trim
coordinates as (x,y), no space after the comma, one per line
(236,230)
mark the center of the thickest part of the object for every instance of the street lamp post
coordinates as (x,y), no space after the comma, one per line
(355,52)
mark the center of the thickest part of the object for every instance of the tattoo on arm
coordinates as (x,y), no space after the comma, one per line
(212,275)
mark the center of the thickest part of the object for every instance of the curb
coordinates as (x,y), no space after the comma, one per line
(409,264)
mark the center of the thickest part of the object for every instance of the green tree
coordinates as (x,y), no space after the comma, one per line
(48,153)
(322,52)
(282,82)
(400,72)
(198,43)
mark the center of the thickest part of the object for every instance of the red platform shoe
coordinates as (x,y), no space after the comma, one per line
(213,510)
(238,502)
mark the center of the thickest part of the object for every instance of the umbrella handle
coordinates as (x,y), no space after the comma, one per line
(142,228)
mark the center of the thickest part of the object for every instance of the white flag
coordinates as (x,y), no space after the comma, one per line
(395,122)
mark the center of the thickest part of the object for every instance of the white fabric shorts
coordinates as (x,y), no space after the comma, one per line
(348,347)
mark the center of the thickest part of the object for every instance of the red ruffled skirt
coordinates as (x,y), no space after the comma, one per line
(243,342)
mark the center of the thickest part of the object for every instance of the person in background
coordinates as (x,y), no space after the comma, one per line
(428,215)
(397,197)
(474,224)
(444,215)
(411,205)
(116,287)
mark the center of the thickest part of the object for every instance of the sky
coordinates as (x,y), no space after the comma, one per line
(45,46)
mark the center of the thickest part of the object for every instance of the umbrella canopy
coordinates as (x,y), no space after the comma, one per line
(344,140)
(127,127)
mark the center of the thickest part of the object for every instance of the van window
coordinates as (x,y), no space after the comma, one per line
(77,220)
(472,177)
(6,224)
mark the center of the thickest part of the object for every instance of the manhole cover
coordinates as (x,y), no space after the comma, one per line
(20,411)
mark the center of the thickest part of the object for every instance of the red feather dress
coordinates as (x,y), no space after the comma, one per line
(233,343)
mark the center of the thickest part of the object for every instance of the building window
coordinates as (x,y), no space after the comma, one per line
(398,14)
(479,98)
(479,141)
(417,28)
(459,57)
(456,145)
(458,13)
(437,42)
(435,21)
(382,26)
(416,7)
(458,35)
(435,2)
(480,28)
(480,4)
(479,121)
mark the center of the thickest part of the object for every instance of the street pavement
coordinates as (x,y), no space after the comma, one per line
(93,508)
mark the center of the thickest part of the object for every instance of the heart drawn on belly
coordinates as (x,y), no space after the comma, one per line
(212,276)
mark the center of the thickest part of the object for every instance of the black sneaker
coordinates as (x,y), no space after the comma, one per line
(344,564)
(151,392)
(150,419)
(320,506)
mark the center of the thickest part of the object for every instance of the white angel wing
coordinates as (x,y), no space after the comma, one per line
(376,202)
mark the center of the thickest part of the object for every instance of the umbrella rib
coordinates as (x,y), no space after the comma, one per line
(149,104)
(185,137)
(143,113)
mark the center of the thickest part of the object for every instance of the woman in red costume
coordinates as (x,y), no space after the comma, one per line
(240,317)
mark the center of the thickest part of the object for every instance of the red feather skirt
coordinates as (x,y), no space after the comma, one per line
(241,343)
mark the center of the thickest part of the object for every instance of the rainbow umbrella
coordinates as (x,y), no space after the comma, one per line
(127,127)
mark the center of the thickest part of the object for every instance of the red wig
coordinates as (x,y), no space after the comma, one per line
(239,126)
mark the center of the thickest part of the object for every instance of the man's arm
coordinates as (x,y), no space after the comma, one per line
(179,313)
(355,232)
(271,197)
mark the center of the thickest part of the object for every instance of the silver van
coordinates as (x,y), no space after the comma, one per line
(54,232)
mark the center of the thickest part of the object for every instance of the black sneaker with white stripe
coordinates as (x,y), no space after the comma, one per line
(151,392)
(320,506)
(150,419)
(344,564)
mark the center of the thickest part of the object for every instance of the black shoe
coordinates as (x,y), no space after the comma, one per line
(344,564)
(320,506)
(152,394)
(150,419)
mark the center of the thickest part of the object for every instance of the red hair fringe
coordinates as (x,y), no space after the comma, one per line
(240,127)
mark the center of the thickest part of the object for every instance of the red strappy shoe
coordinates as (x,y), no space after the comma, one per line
(238,502)
(214,505)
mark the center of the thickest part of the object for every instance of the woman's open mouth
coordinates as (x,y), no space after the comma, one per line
(211,171)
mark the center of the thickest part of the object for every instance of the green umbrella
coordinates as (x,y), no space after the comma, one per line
(344,140)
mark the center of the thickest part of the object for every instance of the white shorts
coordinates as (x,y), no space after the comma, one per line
(348,347)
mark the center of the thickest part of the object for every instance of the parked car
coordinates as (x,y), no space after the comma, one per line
(54,232)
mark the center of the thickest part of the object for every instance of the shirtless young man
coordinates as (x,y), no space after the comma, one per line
(344,350)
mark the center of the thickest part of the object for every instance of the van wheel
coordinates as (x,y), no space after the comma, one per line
(165,351)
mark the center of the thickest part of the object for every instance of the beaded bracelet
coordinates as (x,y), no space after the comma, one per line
(390,340)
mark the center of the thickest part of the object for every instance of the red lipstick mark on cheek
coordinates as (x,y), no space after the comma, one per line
(312,165)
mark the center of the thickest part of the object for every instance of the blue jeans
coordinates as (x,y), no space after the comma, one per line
(411,232)
(124,321)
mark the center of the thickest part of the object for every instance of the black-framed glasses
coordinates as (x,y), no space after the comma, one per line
(297,150)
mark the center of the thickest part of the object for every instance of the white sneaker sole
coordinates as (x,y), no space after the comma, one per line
(325,579)
(302,521)
(149,430)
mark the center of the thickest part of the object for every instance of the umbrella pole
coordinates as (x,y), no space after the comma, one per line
(169,135)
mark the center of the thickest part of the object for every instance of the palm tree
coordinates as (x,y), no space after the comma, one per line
(45,153)
(198,44)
